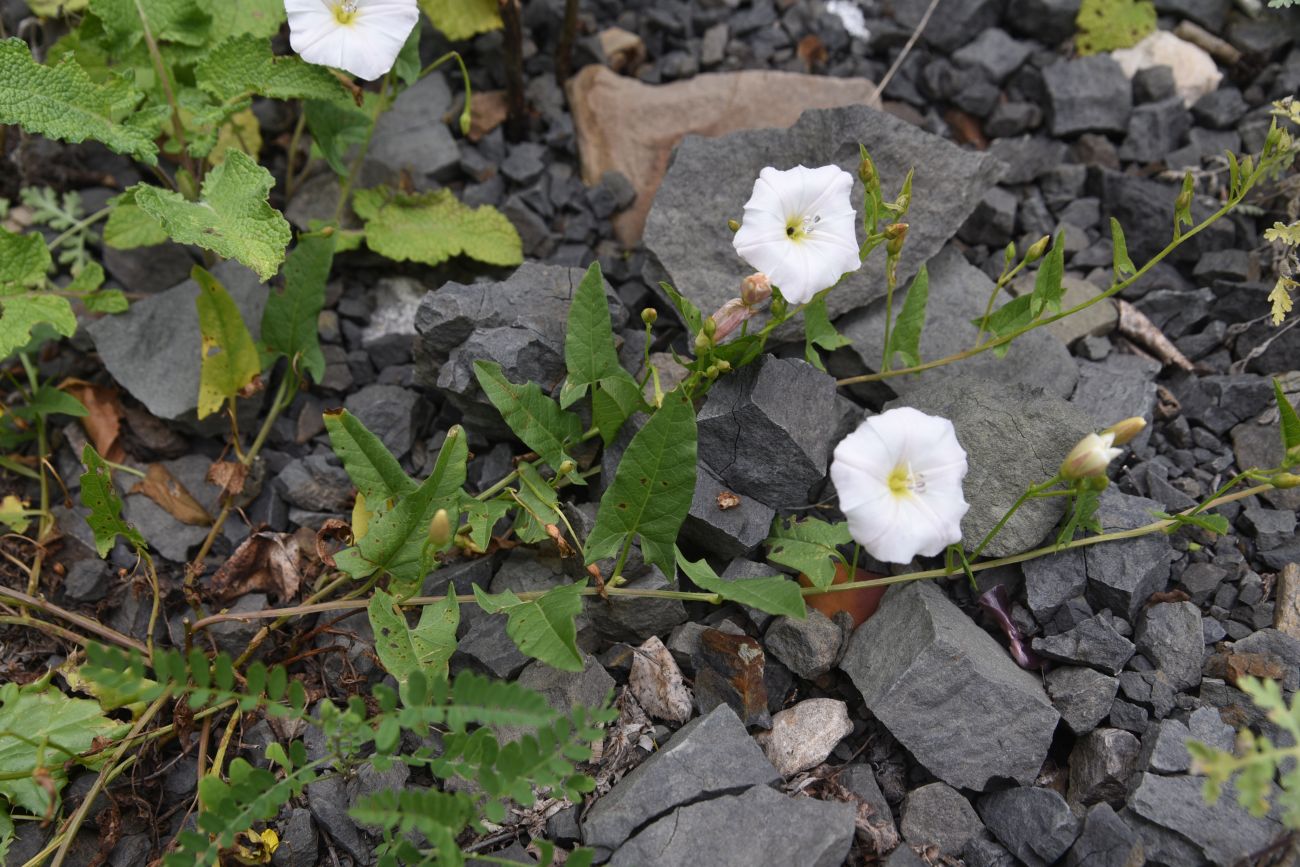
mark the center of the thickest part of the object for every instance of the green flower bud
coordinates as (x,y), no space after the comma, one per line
(733,225)
(866,170)
(712,371)
(565,468)
(1037,249)
(895,235)
(724,365)
(710,326)
(649,316)
(702,343)
(1284,480)
(440,528)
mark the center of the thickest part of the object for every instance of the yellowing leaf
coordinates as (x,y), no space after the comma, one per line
(61,102)
(461,19)
(232,217)
(360,518)
(432,227)
(240,132)
(230,359)
(14,514)
(1105,25)
(1280,298)
(55,8)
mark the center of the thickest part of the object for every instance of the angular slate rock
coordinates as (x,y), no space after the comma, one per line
(152,349)
(758,827)
(393,413)
(711,755)
(939,815)
(412,137)
(1170,635)
(625,618)
(766,430)
(948,691)
(1101,764)
(710,180)
(1223,832)
(1036,825)
(1081,695)
(564,690)
(1105,841)
(1014,436)
(1088,94)
(519,323)
(807,646)
(1122,575)
(723,522)
(959,292)
(1118,388)
(1094,642)
(1050,582)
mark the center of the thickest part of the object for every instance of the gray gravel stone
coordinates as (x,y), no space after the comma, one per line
(391,412)
(564,690)
(938,815)
(1082,696)
(993,52)
(1170,635)
(1014,436)
(151,350)
(1050,582)
(1101,764)
(327,799)
(774,407)
(1224,832)
(412,137)
(948,692)
(1123,575)
(87,580)
(711,755)
(1036,825)
(758,827)
(722,522)
(1118,388)
(623,618)
(710,179)
(1094,642)
(1105,841)
(316,484)
(1088,94)
(808,647)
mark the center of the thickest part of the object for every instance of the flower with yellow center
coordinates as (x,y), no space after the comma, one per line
(800,229)
(361,37)
(899,481)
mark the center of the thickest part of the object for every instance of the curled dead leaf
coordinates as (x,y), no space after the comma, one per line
(103,419)
(268,562)
(333,530)
(253,387)
(561,544)
(656,683)
(229,476)
(166,490)
(727,500)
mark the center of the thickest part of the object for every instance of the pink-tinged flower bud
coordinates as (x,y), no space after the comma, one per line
(728,319)
(1090,457)
(755,289)
(895,235)
(1124,431)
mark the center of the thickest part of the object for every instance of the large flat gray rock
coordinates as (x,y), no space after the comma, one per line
(152,350)
(1223,832)
(948,692)
(710,180)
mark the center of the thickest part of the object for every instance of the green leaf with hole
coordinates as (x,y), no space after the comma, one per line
(291,319)
(432,227)
(100,497)
(776,594)
(810,546)
(652,488)
(397,542)
(371,466)
(536,419)
(592,360)
(230,361)
(543,628)
(232,217)
(425,648)
(905,339)
(60,101)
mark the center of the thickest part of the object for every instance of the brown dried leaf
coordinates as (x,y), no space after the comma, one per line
(103,423)
(812,51)
(164,489)
(727,500)
(561,544)
(729,669)
(268,562)
(656,683)
(229,476)
(966,129)
(333,530)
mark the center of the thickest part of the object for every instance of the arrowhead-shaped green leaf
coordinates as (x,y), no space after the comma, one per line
(291,319)
(230,360)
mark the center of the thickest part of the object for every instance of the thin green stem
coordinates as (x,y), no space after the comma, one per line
(465,113)
(1003,280)
(164,78)
(292,156)
(79,225)
(1030,493)
(354,171)
(891,283)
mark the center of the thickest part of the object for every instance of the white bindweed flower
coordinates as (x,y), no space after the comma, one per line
(800,229)
(1090,456)
(362,37)
(899,480)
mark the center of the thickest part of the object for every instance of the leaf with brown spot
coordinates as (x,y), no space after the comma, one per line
(103,419)
(229,476)
(268,562)
(729,670)
(164,489)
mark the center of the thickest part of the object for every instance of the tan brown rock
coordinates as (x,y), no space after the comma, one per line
(1286,614)
(632,127)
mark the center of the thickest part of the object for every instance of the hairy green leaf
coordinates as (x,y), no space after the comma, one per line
(1105,25)
(905,339)
(1290,420)
(652,488)
(592,360)
(41,728)
(335,130)
(543,628)
(232,219)
(239,17)
(290,322)
(425,648)
(100,497)
(372,468)
(536,419)
(24,261)
(432,227)
(179,21)
(62,102)
(129,227)
(397,542)
(230,360)
(819,333)
(810,546)
(774,595)
(461,19)
(245,65)
(21,314)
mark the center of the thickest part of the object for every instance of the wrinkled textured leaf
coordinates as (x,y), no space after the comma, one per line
(536,419)
(245,64)
(41,727)
(24,261)
(335,129)
(397,542)
(425,648)
(461,19)
(652,488)
(1105,25)
(592,360)
(543,628)
(905,339)
(179,21)
(61,102)
(232,219)
(372,468)
(99,495)
(809,546)
(290,321)
(20,314)
(432,227)
(775,595)
(229,355)
(238,17)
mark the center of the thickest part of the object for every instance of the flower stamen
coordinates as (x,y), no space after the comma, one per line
(345,11)
(901,480)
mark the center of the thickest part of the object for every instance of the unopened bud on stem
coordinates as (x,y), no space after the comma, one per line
(1284,480)
(1037,249)
(1090,457)
(649,316)
(755,289)
(866,170)
(702,343)
(440,528)
(1124,431)
(895,235)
